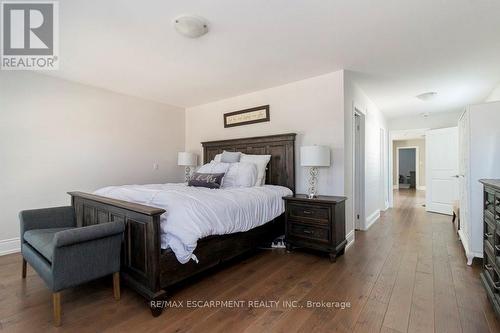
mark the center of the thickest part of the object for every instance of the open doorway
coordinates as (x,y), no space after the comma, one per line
(414,176)
(407,168)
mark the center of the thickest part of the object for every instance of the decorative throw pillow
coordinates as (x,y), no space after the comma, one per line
(261,162)
(208,180)
(230,157)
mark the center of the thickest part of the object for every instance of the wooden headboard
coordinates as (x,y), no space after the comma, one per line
(281,147)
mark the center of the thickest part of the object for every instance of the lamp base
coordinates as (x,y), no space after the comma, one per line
(313,181)
(187,174)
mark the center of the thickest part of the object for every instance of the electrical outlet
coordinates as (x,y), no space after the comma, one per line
(155,166)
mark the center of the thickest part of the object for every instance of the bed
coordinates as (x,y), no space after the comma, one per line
(151,270)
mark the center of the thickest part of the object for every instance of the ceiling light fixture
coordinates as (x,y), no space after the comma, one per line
(427,96)
(191,26)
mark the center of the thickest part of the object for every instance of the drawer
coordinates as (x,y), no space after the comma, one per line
(490,216)
(489,232)
(299,230)
(489,200)
(490,271)
(317,213)
(489,247)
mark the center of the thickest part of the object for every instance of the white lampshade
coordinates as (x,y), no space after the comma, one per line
(314,156)
(186,159)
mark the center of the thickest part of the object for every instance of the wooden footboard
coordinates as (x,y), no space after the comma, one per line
(141,246)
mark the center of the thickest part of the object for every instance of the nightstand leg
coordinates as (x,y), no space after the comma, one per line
(288,247)
(333,257)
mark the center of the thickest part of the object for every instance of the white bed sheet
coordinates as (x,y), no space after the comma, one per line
(196,212)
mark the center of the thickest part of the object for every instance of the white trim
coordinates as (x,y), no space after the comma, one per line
(370,220)
(417,163)
(8,246)
(350,239)
(395,187)
(357,109)
(421,188)
(470,255)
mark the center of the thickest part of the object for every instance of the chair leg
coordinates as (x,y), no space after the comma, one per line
(116,285)
(56,302)
(24,269)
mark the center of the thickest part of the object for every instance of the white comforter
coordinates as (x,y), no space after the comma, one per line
(195,212)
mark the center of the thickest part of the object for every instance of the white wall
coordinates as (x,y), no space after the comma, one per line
(375,185)
(312,108)
(57,136)
(434,120)
(494,95)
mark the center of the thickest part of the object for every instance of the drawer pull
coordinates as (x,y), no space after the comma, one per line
(307,212)
(497,217)
(488,267)
(487,203)
(497,247)
(488,234)
(309,232)
(496,285)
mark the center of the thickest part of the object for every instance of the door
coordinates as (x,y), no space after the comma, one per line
(442,169)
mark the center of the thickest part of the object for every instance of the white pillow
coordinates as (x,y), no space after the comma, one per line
(214,167)
(261,162)
(217,158)
(240,174)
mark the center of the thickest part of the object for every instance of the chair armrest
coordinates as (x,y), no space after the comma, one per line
(90,233)
(57,217)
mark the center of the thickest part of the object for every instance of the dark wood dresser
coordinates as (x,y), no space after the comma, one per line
(317,223)
(490,274)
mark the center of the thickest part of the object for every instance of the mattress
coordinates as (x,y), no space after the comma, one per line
(193,213)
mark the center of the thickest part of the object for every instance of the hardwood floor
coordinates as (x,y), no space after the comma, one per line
(406,274)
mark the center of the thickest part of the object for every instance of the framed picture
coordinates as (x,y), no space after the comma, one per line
(258,114)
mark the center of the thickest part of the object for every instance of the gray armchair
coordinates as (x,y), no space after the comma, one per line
(65,256)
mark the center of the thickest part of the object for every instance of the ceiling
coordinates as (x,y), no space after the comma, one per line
(397,49)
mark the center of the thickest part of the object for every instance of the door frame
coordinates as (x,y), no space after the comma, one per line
(395,135)
(417,165)
(359,198)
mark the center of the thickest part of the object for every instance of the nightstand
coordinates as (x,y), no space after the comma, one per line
(317,223)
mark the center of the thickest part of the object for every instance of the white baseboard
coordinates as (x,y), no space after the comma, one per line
(421,188)
(8,246)
(370,220)
(350,239)
(470,255)
(395,187)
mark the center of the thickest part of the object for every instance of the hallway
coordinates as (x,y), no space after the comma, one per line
(433,284)
(407,273)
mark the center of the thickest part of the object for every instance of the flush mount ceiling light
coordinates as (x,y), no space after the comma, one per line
(427,96)
(191,26)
